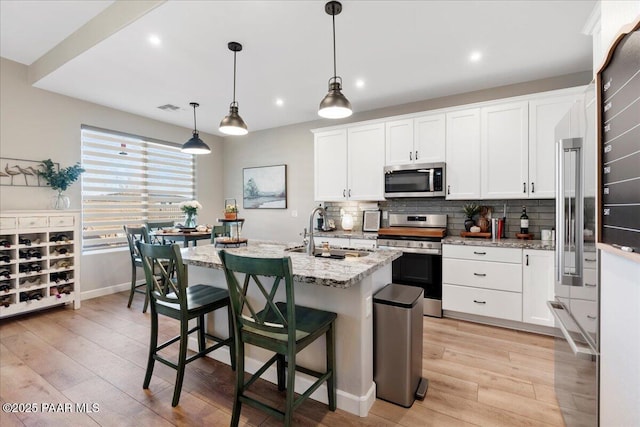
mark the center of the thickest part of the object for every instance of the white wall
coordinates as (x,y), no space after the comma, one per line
(36,125)
(619,289)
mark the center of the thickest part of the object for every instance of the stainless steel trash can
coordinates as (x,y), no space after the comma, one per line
(397,327)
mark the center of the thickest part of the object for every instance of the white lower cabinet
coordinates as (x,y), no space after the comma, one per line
(537,286)
(484,281)
(500,283)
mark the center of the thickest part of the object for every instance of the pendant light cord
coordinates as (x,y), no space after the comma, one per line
(234,77)
(333,18)
(195,126)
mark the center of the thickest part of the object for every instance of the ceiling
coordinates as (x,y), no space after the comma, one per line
(403,51)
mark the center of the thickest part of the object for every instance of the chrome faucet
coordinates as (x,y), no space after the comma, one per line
(311,245)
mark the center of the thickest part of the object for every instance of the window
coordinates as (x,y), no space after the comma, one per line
(130,180)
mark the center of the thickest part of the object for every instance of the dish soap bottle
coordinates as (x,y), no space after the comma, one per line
(524,221)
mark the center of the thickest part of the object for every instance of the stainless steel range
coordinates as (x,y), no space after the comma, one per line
(419,236)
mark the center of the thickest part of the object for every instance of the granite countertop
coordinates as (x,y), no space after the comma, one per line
(320,271)
(548,245)
(342,234)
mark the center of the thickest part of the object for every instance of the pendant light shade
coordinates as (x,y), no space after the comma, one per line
(334,105)
(195,145)
(233,124)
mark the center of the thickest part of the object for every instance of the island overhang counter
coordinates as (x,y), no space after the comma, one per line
(344,286)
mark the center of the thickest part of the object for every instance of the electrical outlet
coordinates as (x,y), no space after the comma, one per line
(385,214)
(369,306)
(294,213)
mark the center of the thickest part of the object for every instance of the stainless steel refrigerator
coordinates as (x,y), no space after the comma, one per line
(576,304)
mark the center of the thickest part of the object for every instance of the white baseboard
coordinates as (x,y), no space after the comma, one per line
(357,405)
(108,290)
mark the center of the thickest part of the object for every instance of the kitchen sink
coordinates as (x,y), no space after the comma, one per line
(334,253)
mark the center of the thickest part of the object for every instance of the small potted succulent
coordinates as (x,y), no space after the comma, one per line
(231,212)
(470,209)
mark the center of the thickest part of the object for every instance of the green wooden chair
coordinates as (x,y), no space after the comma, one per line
(219,231)
(281,327)
(135,234)
(169,295)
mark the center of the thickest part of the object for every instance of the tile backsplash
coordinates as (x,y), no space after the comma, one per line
(541,212)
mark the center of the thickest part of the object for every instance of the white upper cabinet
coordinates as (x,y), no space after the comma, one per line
(544,115)
(365,170)
(330,160)
(504,151)
(349,163)
(463,154)
(418,140)
(399,145)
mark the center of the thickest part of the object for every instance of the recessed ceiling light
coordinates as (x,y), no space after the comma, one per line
(279,102)
(475,56)
(154,40)
(359,83)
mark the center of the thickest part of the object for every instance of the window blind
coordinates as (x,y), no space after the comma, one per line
(130,180)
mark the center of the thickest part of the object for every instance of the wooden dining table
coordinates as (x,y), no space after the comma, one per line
(184,236)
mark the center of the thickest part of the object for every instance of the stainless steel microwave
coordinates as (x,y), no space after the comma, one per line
(414,180)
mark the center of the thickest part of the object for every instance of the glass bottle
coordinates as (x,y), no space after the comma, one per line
(524,221)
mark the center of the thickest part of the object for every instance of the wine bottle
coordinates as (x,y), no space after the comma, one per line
(5,273)
(5,258)
(524,221)
(24,241)
(5,287)
(5,243)
(5,301)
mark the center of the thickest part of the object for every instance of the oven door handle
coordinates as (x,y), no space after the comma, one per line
(580,351)
(414,250)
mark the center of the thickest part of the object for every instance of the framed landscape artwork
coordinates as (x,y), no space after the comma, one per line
(264,187)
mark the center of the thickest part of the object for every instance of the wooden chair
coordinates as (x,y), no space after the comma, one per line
(281,327)
(160,225)
(219,231)
(135,234)
(170,296)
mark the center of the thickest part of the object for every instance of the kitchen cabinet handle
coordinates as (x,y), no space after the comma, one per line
(349,192)
(344,193)
(479,302)
(590,285)
(591,317)
(524,187)
(479,253)
(448,189)
(416,154)
(590,259)
(526,260)
(480,274)
(533,187)
(410,155)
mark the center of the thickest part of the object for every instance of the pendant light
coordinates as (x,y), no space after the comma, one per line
(334,105)
(233,124)
(195,145)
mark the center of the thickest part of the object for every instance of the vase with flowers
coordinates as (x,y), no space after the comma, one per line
(190,210)
(60,180)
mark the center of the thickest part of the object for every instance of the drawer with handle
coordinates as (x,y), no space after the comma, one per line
(33,222)
(482,302)
(482,253)
(489,275)
(8,223)
(61,221)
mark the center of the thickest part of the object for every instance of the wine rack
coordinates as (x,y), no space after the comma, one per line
(39,260)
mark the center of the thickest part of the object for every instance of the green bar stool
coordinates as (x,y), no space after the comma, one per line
(281,327)
(169,295)
(135,234)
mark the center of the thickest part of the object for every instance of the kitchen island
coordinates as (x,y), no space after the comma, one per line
(344,286)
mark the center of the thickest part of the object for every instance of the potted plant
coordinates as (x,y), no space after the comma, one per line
(231,212)
(190,210)
(60,180)
(470,210)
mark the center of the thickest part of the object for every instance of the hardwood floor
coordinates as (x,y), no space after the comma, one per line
(478,375)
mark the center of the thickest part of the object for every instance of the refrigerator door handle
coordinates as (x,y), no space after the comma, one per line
(582,351)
